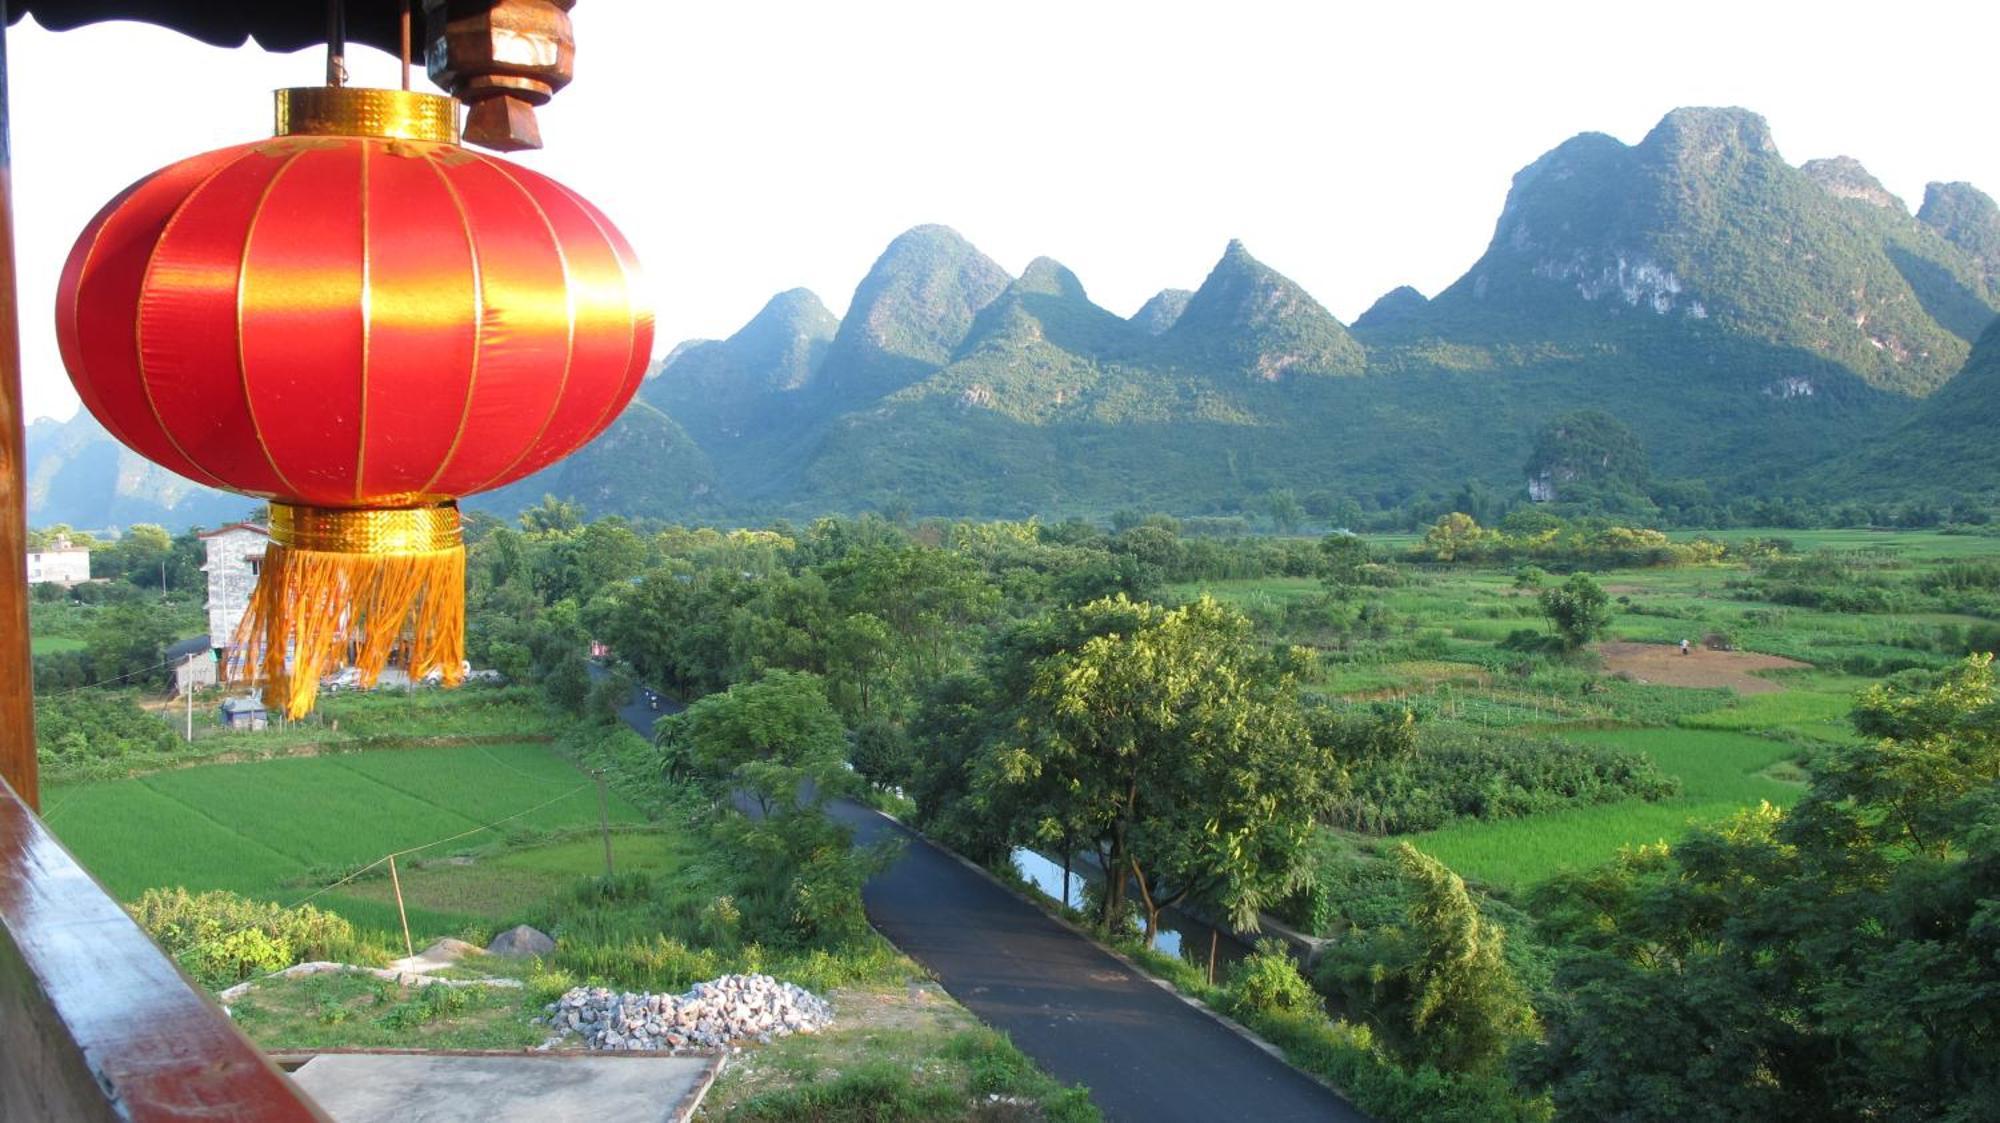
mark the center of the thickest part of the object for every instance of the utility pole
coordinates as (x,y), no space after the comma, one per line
(189,666)
(603,821)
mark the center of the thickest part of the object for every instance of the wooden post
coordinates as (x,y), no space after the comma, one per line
(17,692)
(95,1021)
(396,883)
(604,822)
(1213,937)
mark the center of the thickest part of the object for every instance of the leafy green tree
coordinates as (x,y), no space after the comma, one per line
(1838,961)
(568,682)
(765,738)
(1341,558)
(1456,537)
(127,644)
(859,654)
(1282,506)
(552,516)
(1578,610)
(1436,984)
(1166,739)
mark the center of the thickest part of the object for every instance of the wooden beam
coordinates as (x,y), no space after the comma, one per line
(17,699)
(96,1023)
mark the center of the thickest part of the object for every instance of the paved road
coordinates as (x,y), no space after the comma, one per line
(1082,1015)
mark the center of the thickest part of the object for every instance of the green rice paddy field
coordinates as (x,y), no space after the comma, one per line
(1730,749)
(512,823)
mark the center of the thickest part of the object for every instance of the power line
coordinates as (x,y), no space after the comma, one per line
(411,850)
(104,682)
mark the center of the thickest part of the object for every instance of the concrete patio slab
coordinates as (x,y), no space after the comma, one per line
(529,1088)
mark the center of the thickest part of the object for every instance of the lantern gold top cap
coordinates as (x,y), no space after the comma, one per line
(358,111)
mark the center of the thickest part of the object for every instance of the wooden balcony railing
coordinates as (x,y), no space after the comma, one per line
(96,1023)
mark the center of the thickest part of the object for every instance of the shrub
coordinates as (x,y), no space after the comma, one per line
(1267,982)
(221,938)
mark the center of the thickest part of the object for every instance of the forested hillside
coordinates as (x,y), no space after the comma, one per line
(1749,321)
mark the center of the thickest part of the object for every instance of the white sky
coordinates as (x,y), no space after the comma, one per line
(748,147)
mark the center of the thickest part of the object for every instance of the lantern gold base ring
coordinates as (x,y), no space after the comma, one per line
(359,588)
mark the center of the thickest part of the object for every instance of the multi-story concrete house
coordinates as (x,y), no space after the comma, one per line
(59,564)
(235,555)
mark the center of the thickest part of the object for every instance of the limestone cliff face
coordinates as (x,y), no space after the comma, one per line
(1843,177)
(1702,227)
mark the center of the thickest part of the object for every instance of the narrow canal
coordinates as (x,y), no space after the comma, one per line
(1180,935)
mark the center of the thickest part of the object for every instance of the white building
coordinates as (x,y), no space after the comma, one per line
(235,556)
(193,663)
(59,564)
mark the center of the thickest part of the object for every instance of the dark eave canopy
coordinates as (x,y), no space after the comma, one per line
(276,25)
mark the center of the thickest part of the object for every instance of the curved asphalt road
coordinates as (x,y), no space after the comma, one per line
(1082,1015)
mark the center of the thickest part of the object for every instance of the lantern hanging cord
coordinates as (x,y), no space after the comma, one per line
(336,44)
(405,28)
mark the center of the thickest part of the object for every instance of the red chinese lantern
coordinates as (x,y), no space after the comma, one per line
(360,321)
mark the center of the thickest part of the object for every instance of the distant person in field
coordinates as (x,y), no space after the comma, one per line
(1684,645)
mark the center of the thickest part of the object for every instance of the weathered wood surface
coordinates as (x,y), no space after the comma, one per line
(17,703)
(96,1023)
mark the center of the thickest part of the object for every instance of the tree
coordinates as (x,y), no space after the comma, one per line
(1837,961)
(1456,537)
(859,650)
(127,646)
(1167,740)
(552,516)
(1437,984)
(141,556)
(1284,510)
(1577,610)
(568,682)
(1341,557)
(1466,1009)
(764,738)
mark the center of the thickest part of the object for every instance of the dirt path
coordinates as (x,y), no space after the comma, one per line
(1662,664)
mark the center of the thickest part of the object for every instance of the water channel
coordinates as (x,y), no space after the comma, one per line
(1179,934)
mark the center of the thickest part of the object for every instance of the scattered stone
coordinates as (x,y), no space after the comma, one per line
(449,950)
(520,942)
(712,1015)
(390,974)
(445,953)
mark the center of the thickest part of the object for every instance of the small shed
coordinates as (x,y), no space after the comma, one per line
(243,713)
(193,661)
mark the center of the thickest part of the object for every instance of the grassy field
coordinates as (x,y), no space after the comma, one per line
(1433,642)
(281,829)
(1720,774)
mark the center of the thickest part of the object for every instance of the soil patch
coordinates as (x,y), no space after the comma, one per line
(1662,664)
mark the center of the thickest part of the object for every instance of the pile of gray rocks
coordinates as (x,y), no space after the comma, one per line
(712,1015)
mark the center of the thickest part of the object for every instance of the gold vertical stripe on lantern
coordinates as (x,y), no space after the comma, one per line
(359,588)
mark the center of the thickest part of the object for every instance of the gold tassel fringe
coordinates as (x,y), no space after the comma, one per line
(353,588)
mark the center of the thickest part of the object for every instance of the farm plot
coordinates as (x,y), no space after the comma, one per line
(1720,772)
(280,829)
